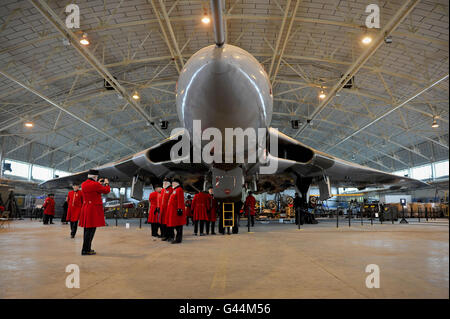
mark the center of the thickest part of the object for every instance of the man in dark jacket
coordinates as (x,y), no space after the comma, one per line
(297,207)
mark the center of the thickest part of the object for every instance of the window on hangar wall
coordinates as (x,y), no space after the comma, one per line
(403,173)
(41,173)
(61,173)
(19,169)
(421,172)
(441,169)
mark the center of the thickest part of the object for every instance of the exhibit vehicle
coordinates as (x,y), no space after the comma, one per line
(224,87)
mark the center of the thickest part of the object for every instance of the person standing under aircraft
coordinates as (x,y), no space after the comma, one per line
(64,215)
(175,211)
(165,195)
(75,202)
(49,209)
(153,211)
(297,207)
(200,207)
(188,209)
(249,207)
(212,213)
(92,214)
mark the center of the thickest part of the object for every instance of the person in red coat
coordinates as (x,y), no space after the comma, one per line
(153,212)
(249,206)
(200,208)
(212,213)
(188,209)
(165,195)
(175,211)
(75,202)
(92,214)
(49,209)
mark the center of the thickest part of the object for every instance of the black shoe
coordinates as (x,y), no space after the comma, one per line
(195,234)
(213,233)
(164,239)
(202,234)
(88,253)
(72,236)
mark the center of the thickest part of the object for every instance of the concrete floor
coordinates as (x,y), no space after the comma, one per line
(276,261)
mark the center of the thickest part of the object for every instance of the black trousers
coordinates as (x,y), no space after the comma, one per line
(163,229)
(202,225)
(179,236)
(64,216)
(211,225)
(88,237)
(154,227)
(73,228)
(187,220)
(47,218)
(170,233)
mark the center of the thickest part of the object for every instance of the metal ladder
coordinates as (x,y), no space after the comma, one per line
(226,209)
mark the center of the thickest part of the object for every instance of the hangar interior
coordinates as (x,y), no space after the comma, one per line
(385,106)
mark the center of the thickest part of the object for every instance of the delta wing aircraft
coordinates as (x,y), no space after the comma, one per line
(224,86)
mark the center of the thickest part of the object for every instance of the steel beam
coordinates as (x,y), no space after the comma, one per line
(172,34)
(286,39)
(280,34)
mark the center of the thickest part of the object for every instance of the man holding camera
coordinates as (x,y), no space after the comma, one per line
(92,214)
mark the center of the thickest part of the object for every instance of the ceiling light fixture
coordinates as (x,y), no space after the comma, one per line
(367,39)
(136,95)
(84,40)
(29,124)
(206,19)
(322,95)
(435,124)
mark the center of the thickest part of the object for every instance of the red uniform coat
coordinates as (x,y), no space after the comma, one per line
(92,214)
(49,206)
(188,208)
(75,201)
(165,194)
(176,202)
(201,206)
(153,200)
(249,205)
(213,208)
